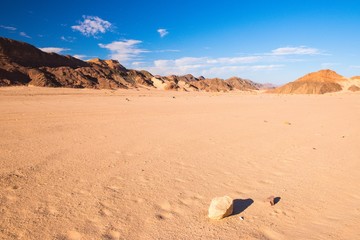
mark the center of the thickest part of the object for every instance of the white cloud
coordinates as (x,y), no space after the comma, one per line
(137,64)
(8,28)
(250,65)
(80,56)
(68,39)
(23,34)
(329,65)
(211,67)
(92,26)
(205,61)
(302,50)
(236,60)
(53,49)
(167,50)
(354,66)
(125,50)
(226,70)
(163,32)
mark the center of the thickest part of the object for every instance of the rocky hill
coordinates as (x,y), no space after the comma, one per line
(24,64)
(323,81)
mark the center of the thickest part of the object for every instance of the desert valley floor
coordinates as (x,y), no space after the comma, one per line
(127,164)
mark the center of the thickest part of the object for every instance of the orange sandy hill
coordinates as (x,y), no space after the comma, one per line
(24,64)
(323,81)
(355,84)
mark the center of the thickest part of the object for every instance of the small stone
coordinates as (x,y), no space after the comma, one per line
(241,218)
(220,207)
(271,200)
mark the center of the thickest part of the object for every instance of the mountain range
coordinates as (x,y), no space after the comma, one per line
(24,64)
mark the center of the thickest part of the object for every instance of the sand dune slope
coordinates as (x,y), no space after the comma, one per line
(100,164)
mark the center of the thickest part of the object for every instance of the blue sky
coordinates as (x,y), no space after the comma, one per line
(265,41)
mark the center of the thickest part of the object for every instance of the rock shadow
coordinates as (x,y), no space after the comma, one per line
(276,200)
(239,205)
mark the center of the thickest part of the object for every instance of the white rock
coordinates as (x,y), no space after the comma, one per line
(220,207)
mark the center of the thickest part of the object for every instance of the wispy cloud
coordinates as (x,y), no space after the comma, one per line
(80,56)
(302,50)
(355,66)
(167,50)
(137,64)
(125,50)
(211,66)
(23,34)
(235,60)
(229,66)
(92,26)
(163,32)
(68,39)
(329,65)
(234,70)
(53,49)
(8,28)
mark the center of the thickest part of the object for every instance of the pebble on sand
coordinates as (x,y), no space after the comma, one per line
(271,200)
(220,207)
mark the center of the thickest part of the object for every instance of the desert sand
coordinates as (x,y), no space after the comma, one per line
(128,164)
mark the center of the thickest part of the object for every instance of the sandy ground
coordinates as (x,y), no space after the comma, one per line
(90,164)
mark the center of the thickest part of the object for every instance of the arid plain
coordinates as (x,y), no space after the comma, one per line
(128,164)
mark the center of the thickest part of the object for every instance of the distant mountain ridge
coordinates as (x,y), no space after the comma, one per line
(24,64)
(323,81)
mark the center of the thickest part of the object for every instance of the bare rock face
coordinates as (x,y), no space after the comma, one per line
(212,85)
(220,207)
(354,88)
(27,55)
(171,86)
(24,64)
(241,84)
(324,81)
(42,78)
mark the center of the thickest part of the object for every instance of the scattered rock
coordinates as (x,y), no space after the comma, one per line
(241,218)
(159,217)
(273,200)
(220,207)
